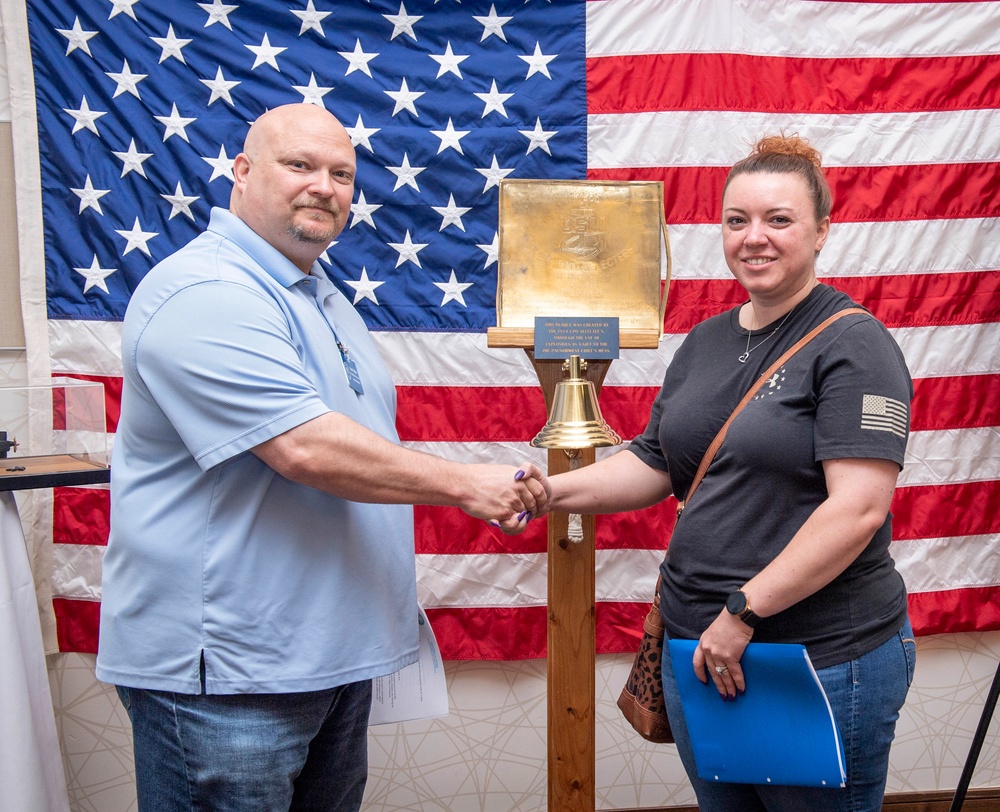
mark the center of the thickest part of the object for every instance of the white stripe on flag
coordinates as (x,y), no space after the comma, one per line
(833,29)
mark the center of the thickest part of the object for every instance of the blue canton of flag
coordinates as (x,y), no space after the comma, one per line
(142,107)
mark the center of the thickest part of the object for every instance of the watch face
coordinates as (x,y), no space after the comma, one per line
(736,603)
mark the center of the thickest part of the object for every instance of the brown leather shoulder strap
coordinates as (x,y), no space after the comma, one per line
(717,442)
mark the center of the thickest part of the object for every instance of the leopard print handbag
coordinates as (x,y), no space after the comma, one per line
(641,700)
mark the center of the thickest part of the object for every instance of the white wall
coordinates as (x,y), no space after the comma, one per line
(489,755)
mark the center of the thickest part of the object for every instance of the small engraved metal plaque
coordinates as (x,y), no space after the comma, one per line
(591,338)
(582,248)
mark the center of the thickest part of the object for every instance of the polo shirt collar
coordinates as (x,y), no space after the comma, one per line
(226,224)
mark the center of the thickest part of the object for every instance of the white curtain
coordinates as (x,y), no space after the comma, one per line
(31,771)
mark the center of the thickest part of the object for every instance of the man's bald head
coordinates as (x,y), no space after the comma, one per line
(294,180)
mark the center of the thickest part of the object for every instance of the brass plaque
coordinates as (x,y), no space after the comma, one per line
(582,248)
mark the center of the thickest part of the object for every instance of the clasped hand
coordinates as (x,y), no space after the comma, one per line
(508,497)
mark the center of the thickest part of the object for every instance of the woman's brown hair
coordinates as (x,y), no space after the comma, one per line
(789,153)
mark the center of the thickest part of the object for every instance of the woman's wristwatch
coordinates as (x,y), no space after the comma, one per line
(739,604)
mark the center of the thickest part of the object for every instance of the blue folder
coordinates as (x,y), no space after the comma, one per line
(781,731)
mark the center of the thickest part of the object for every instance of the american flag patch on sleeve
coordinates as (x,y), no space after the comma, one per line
(880,413)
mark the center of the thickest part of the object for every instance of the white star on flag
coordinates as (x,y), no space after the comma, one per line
(136,238)
(450,138)
(357,59)
(453,290)
(537,62)
(311,19)
(404,98)
(174,124)
(493,174)
(77,38)
(221,166)
(448,62)
(363,211)
(492,24)
(180,203)
(132,160)
(95,276)
(218,12)
(220,87)
(402,23)
(265,53)
(492,250)
(364,288)
(89,196)
(325,256)
(408,250)
(123,7)
(493,100)
(86,119)
(171,45)
(312,93)
(538,138)
(126,81)
(451,215)
(360,135)
(406,175)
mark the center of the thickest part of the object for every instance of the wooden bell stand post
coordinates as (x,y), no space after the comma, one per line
(571,605)
(577,249)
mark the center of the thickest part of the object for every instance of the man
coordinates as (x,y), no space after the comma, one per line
(260,570)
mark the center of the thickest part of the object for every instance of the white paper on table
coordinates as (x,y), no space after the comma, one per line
(418,691)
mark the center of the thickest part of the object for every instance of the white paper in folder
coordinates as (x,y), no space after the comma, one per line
(418,691)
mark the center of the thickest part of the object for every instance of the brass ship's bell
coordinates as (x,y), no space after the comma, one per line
(575,418)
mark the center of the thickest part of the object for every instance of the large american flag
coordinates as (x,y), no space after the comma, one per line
(142,105)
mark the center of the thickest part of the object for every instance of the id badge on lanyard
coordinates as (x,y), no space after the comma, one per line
(353,376)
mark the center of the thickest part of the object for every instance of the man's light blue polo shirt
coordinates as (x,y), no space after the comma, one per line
(280,586)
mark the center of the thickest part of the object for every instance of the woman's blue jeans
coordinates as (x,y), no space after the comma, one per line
(305,752)
(866,695)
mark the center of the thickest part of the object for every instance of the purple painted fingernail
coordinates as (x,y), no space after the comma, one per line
(523,513)
(519,475)
(494,523)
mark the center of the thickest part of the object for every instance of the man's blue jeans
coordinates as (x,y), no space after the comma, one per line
(865,694)
(305,752)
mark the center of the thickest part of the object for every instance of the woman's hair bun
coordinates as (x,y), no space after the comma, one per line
(788,145)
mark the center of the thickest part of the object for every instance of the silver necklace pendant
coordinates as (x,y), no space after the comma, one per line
(746,353)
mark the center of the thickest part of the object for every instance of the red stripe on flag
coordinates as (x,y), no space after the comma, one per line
(520,633)
(505,633)
(971,609)
(693,194)
(449,531)
(920,511)
(770,84)
(500,414)
(494,414)
(904,300)
(939,511)
(960,402)
(490,632)
(80,515)
(77,623)
(517,413)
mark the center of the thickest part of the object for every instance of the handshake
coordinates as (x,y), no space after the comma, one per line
(506,497)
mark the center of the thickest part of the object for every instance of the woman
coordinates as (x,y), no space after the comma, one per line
(786,539)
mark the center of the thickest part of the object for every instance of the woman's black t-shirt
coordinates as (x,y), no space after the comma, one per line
(845,395)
